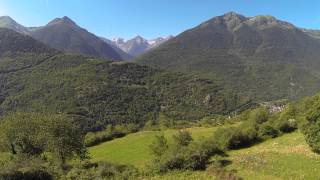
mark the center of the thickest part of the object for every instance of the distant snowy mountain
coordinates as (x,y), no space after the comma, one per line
(138,45)
(65,35)
(158,41)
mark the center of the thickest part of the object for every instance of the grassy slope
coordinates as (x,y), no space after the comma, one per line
(286,157)
(133,149)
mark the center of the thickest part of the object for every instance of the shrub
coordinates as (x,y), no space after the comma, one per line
(159,146)
(24,167)
(312,136)
(266,130)
(182,138)
(258,116)
(310,123)
(110,133)
(183,154)
(198,154)
(35,133)
(125,129)
(286,126)
(28,175)
(235,137)
(102,170)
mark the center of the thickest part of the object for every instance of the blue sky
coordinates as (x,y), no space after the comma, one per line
(153,18)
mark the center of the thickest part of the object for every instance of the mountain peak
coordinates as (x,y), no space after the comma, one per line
(63,20)
(139,39)
(8,22)
(6,18)
(233,14)
(67,19)
(233,19)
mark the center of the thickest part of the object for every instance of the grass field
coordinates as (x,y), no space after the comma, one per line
(285,157)
(134,148)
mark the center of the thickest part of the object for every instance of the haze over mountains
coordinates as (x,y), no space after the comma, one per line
(260,57)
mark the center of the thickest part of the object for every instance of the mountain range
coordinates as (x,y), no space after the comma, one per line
(260,57)
(98,92)
(138,45)
(65,35)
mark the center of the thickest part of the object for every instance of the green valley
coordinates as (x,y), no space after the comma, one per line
(234,98)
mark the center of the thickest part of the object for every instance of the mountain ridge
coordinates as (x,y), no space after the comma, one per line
(65,35)
(261,56)
(99,92)
(121,50)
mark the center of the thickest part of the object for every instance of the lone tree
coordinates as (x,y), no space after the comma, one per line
(36,133)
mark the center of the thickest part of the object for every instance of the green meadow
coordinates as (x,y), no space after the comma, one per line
(133,149)
(285,157)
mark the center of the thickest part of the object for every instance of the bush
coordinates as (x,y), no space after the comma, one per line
(286,121)
(258,125)
(286,126)
(159,146)
(183,154)
(29,175)
(312,136)
(24,167)
(110,133)
(182,138)
(102,170)
(266,130)
(236,137)
(37,133)
(125,129)
(258,116)
(310,122)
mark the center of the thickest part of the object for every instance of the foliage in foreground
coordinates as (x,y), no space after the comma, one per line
(182,154)
(257,126)
(42,145)
(310,117)
(39,168)
(34,134)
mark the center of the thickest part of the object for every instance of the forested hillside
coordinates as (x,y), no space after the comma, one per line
(260,57)
(96,92)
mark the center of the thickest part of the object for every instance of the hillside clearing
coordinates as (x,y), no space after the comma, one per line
(133,149)
(286,157)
